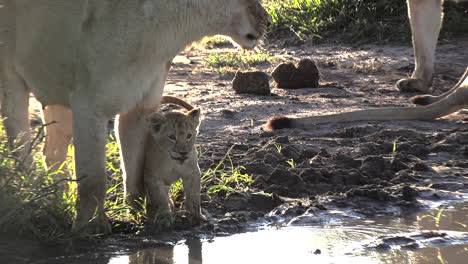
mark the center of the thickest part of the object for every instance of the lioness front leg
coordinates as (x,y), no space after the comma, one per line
(89,130)
(425,19)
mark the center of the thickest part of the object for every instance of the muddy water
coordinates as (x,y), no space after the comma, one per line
(422,238)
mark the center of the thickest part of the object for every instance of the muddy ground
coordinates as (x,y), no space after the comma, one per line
(371,168)
(358,169)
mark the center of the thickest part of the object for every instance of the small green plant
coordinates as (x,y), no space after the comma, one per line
(225,180)
(176,190)
(437,217)
(394,149)
(278,147)
(291,163)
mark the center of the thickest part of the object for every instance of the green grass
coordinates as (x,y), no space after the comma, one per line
(32,205)
(216,42)
(231,62)
(225,179)
(357,20)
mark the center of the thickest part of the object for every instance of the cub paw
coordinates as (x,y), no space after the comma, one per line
(161,221)
(186,220)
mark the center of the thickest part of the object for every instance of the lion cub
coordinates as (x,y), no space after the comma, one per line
(171,155)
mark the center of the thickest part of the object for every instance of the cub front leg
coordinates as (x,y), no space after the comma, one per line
(159,203)
(425,19)
(89,130)
(192,186)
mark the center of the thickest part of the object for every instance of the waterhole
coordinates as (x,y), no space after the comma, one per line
(438,235)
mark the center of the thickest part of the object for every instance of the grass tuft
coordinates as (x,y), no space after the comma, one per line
(360,20)
(231,62)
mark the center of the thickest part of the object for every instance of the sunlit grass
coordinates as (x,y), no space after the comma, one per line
(29,202)
(225,179)
(230,62)
(355,20)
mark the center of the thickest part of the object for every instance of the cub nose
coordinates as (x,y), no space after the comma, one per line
(183,155)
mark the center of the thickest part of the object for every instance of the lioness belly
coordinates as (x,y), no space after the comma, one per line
(45,47)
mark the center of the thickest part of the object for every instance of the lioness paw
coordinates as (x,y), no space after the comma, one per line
(410,85)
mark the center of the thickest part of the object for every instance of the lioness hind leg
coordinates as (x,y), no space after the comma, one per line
(15,103)
(427,99)
(132,137)
(58,136)
(425,19)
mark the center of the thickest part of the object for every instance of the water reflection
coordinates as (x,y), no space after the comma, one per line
(190,252)
(337,243)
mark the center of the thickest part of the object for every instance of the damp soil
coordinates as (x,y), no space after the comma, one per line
(365,170)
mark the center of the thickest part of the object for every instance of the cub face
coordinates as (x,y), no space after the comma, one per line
(175,132)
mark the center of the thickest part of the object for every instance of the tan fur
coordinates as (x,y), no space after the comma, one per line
(170,156)
(99,59)
(426,20)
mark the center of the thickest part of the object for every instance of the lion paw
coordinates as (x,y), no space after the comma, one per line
(97,225)
(162,221)
(410,85)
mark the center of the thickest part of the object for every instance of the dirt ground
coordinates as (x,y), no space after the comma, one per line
(370,168)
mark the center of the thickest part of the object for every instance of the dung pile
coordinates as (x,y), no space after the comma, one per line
(303,75)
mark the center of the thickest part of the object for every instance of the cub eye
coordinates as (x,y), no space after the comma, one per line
(172,137)
(189,136)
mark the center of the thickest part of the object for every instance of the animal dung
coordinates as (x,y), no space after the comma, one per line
(290,76)
(251,83)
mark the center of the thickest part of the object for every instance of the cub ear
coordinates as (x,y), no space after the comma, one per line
(156,121)
(195,115)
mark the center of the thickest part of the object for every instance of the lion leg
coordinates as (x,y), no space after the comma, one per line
(427,99)
(89,130)
(159,203)
(425,19)
(58,136)
(15,103)
(192,186)
(132,137)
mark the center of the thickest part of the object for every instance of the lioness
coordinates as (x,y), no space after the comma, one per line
(171,155)
(425,19)
(87,61)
